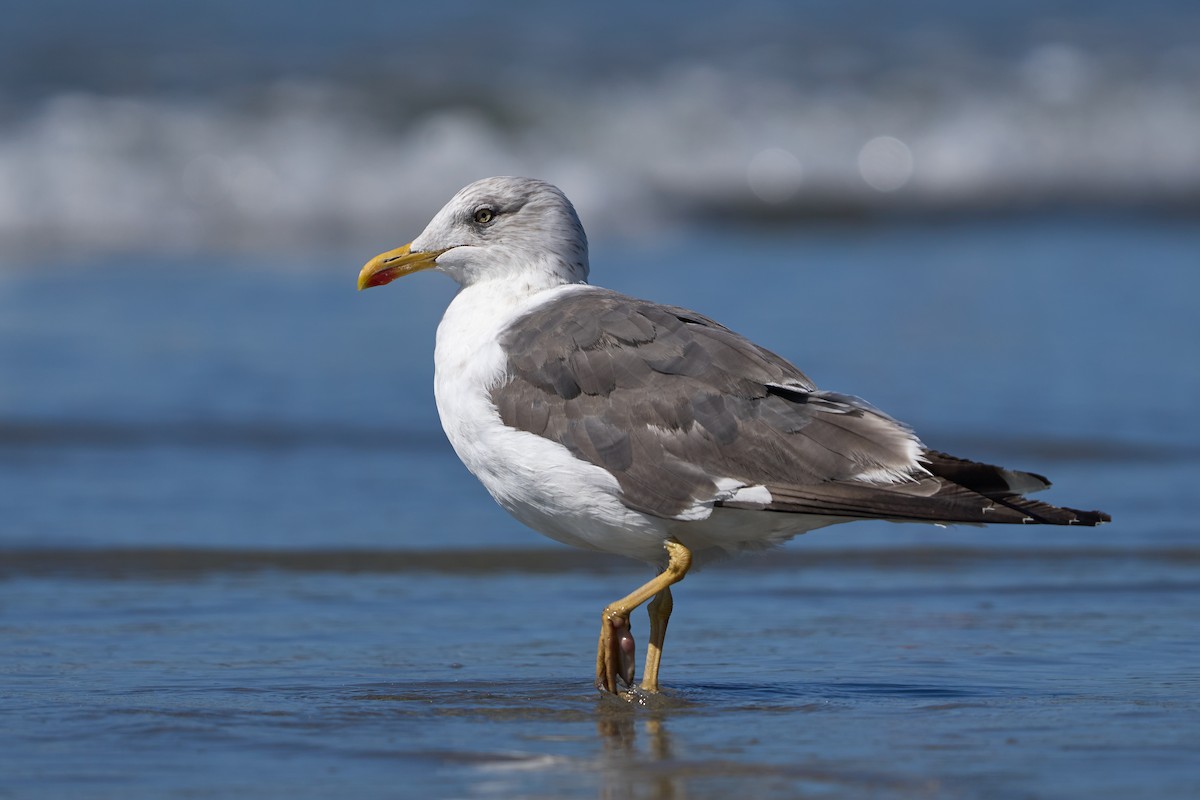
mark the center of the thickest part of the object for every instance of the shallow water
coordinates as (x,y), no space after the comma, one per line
(956,674)
(237,557)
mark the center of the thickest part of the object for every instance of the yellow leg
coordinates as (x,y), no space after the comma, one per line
(660,614)
(614,621)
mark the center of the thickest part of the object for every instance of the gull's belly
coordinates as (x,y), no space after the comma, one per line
(540,483)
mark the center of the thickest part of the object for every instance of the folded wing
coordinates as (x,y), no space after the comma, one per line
(688,415)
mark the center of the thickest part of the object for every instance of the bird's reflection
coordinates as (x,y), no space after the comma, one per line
(637,755)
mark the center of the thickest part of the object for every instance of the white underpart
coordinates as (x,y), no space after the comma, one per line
(752,496)
(730,490)
(536,480)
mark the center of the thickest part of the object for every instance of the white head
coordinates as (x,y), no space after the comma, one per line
(510,229)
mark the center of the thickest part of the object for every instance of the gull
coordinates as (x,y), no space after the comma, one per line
(624,426)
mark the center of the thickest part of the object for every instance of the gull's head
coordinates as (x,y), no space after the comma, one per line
(510,229)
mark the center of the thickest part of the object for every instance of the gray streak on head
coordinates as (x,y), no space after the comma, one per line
(531,234)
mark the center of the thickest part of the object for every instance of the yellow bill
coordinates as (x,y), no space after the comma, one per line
(386,267)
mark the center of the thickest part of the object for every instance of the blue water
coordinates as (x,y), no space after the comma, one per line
(199,389)
(238,558)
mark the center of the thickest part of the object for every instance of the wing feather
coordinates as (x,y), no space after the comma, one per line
(678,407)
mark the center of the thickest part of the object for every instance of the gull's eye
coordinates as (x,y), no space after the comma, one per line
(484,215)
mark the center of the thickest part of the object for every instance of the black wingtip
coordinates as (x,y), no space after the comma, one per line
(1088,519)
(986,479)
(1046,514)
(1008,488)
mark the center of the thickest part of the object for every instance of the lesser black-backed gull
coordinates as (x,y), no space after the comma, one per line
(617,424)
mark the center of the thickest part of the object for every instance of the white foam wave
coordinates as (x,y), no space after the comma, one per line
(302,165)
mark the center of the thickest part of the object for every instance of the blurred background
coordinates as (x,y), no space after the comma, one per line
(135,126)
(982,217)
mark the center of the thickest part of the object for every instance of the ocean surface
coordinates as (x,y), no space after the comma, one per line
(238,559)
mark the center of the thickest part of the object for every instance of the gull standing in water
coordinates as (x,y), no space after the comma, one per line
(650,431)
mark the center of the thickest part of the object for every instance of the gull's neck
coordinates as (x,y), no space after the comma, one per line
(468,360)
(517,275)
(485,307)
(497,287)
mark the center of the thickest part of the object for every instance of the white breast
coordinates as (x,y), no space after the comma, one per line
(537,480)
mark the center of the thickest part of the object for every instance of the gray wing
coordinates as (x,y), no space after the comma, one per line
(679,409)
